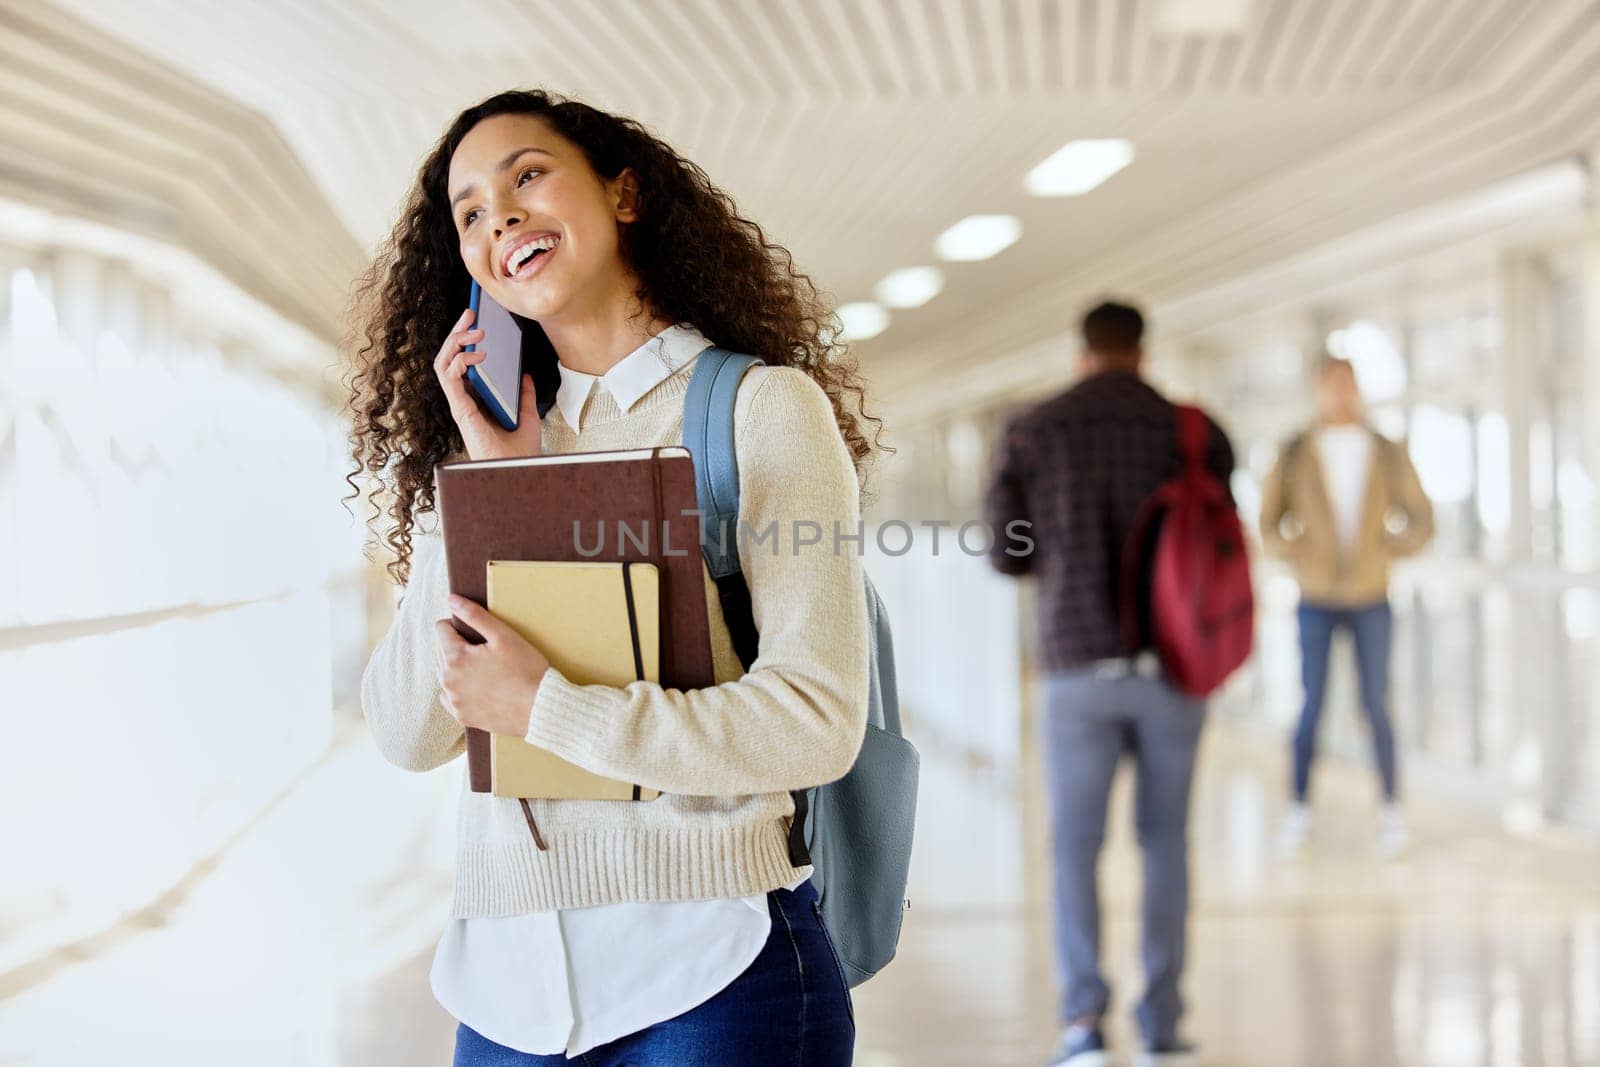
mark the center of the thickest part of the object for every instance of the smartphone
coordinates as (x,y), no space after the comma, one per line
(497,381)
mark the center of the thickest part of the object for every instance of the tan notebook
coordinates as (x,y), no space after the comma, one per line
(598,624)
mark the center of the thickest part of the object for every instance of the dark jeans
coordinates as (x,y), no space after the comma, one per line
(1090,721)
(1371,626)
(790,1008)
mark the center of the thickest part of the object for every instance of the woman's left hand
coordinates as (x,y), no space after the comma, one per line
(490,686)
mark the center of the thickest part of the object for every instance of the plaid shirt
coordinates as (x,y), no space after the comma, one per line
(1078,467)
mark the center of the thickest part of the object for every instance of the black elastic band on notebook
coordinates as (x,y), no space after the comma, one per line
(633,622)
(633,633)
(664,646)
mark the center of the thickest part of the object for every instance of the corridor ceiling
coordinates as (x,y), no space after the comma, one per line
(856,132)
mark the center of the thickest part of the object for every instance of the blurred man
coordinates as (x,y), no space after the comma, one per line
(1077,468)
(1329,508)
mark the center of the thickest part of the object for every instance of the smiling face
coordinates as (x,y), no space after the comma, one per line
(538,228)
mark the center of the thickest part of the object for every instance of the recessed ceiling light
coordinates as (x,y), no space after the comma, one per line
(978,237)
(1078,167)
(863,320)
(911,287)
(1202,16)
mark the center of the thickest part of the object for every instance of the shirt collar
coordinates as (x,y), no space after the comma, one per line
(634,375)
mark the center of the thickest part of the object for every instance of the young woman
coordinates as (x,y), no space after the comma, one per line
(1329,508)
(676,931)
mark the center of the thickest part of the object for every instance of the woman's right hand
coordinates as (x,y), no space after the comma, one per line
(482,436)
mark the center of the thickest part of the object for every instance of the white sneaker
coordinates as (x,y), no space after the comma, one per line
(1081,1045)
(1393,837)
(1295,831)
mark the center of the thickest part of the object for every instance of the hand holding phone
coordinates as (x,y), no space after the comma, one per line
(494,407)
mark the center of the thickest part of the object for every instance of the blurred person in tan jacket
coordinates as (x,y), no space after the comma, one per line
(1343,501)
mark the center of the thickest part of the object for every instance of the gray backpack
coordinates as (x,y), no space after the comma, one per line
(855,831)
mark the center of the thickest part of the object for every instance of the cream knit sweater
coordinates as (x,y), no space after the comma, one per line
(725,758)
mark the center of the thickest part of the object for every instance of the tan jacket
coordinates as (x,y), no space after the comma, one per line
(1297,522)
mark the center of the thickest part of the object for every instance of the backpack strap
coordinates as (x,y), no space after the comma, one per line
(1194,435)
(708,434)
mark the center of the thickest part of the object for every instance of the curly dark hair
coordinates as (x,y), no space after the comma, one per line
(697,259)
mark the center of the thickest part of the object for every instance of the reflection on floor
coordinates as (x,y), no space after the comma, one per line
(309,944)
(1473,948)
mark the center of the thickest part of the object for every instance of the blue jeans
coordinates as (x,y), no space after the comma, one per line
(790,1008)
(1090,722)
(1372,627)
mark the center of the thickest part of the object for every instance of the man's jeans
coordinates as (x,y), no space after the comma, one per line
(1091,719)
(1371,626)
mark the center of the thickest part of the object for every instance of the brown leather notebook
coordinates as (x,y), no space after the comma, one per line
(631,505)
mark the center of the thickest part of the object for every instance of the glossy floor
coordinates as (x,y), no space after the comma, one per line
(1474,947)
(308,943)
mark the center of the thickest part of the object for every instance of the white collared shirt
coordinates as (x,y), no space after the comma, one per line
(554,982)
(568,981)
(632,376)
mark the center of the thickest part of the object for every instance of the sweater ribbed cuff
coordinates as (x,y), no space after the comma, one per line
(568,719)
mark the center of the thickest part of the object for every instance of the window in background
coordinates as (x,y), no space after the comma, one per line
(1494,484)
(1581,799)
(1542,489)
(1574,488)
(1453,341)
(1491,663)
(1443,449)
(1573,480)
(175,475)
(179,507)
(1447,690)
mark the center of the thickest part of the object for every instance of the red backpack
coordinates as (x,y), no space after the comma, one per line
(1186,572)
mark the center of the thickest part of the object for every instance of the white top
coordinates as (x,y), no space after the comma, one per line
(553,982)
(567,981)
(1346,453)
(634,375)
